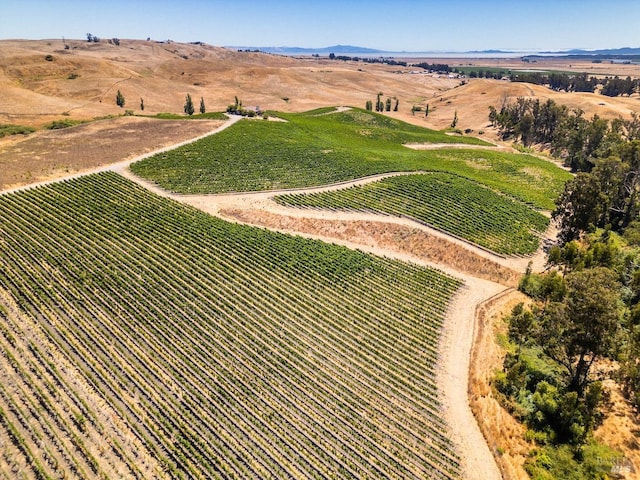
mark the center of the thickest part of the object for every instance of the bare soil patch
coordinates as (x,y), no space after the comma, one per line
(55,153)
(386,236)
(621,428)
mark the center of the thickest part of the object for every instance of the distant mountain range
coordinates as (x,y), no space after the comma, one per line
(607,51)
(352,49)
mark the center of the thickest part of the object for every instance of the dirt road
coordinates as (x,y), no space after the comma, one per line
(458,334)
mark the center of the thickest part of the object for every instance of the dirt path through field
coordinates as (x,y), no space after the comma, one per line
(459,329)
(458,333)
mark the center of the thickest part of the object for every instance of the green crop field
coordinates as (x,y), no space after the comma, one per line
(321,147)
(453,204)
(229,351)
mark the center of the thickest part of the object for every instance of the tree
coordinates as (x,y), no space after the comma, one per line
(141,104)
(368,105)
(203,109)
(388,105)
(188,105)
(578,207)
(119,99)
(454,122)
(426,111)
(395,108)
(583,328)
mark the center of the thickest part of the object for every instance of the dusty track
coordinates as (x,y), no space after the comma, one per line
(459,330)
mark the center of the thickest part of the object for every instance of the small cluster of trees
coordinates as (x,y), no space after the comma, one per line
(573,323)
(565,132)
(189,108)
(433,67)
(94,39)
(381,106)
(497,75)
(607,196)
(238,109)
(614,87)
(572,83)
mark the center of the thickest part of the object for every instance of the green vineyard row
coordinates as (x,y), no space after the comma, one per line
(453,204)
(313,149)
(229,351)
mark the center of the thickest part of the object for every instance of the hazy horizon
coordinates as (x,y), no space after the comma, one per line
(404,25)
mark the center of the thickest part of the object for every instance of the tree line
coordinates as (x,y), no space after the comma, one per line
(610,86)
(188,107)
(585,309)
(381,106)
(386,61)
(569,136)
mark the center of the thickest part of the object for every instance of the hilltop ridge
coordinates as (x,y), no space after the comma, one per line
(44,80)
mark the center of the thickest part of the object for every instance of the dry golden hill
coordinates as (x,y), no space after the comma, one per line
(41,81)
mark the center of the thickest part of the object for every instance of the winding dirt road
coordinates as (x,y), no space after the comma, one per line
(459,329)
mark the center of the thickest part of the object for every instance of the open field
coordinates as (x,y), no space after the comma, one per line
(453,204)
(226,350)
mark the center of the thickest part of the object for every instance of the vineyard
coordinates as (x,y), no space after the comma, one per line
(322,147)
(143,339)
(453,204)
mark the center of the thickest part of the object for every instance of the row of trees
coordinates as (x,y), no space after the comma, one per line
(386,61)
(189,108)
(432,67)
(578,141)
(381,106)
(610,86)
(580,82)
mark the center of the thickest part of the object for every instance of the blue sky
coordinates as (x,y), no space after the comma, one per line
(409,25)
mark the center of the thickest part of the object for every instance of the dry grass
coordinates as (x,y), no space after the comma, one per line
(54,153)
(36,91)
(385,236)
(502,432)
(621,427)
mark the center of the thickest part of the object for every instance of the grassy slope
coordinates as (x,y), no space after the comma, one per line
(312,149)
(248,352)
